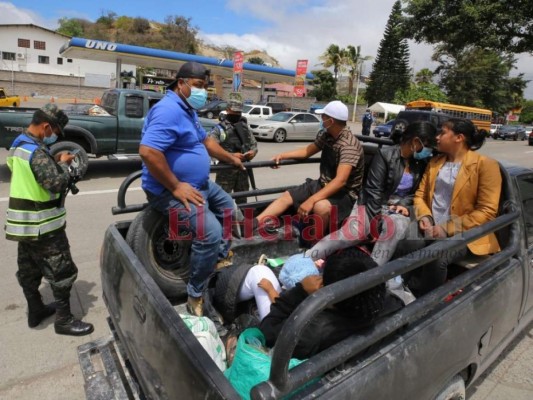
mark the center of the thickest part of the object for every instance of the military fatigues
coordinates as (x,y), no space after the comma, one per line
(36,218)
(234,180)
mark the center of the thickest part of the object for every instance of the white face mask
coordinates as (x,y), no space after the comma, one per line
(322,126)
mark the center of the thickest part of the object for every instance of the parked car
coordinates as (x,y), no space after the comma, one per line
(212,109)
(255,114)
(8,100)
(315,107)
(277,107)
(112,129)
(514,132)
(494,129)
(288,125)
(529,132)
(384,130)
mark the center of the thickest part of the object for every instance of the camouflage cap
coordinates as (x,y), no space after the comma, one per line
(235,102)
(235,105)
(56,116)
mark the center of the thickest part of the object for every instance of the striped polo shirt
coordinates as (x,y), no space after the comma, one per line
(345,149)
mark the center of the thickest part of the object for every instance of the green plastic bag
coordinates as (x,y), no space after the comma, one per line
(251,364)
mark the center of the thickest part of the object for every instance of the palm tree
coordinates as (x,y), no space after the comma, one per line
(425,75)
(351,58)
(332,57)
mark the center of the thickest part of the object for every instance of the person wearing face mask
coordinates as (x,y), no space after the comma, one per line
(340,180)
(236,138)
(460,190)
(36,219)
(176,150)
(392,180)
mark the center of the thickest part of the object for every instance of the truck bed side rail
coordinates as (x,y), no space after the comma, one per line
(282,381)
(123,208)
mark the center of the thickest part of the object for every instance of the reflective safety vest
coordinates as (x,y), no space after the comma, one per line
(33,211)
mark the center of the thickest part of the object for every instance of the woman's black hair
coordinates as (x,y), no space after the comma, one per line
(425,131)
(474,138)
(364,306)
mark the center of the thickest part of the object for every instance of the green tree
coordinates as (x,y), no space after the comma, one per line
(178,34)
(332,57)
(425,91)
(500,25)
(70,27)
(256,60)
(353,60)
(425,75)
(140,25)
(124,23)
(390,71)
(480,78)
(526,116)
(107,19)
(324,85)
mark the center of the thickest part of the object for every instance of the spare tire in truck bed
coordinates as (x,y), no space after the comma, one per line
(167,261)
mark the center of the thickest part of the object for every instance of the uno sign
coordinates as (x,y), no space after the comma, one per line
(98,45)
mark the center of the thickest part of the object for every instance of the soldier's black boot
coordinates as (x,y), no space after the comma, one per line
(37,310)
(66,324)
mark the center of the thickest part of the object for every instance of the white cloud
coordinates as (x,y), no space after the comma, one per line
(11,14)
(299,32)
(302,29)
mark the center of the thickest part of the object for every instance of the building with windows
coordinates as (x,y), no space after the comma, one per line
(27,50)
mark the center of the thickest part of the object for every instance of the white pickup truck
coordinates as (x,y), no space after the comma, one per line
(255,114)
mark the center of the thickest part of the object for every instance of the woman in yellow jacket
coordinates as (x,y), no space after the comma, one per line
(459,191)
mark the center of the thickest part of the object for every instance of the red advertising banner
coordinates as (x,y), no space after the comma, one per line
(238,64)
(299,80)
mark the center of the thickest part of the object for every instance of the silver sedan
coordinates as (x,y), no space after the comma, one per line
(287,126)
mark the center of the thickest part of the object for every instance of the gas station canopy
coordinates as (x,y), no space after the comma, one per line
(99,50)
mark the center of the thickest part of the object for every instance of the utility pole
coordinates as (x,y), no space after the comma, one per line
(357,90)
(12,78)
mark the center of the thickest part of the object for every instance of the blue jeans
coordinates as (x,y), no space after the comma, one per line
(205,225)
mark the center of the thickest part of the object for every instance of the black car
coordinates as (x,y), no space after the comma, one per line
(384,130)
(514,132)
(277,107)
(212,109)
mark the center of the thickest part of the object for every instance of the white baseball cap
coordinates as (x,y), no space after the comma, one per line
(335,109)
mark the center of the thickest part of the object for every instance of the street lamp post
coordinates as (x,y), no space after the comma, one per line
(357,90)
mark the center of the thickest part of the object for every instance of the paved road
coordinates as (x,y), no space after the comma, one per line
(36,363)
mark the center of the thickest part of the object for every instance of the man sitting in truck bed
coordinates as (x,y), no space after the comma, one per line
(341,174)
(175,150)
(337,323)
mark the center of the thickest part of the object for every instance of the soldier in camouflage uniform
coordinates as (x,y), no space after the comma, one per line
(235,137)
(36,220)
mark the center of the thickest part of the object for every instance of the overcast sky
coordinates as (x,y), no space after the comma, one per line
(287,29)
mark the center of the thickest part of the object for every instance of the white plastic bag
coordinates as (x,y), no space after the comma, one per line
(206,333)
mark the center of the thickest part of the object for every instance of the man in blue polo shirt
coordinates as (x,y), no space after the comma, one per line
(175,150)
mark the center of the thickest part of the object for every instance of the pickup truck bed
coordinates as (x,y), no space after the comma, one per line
(414,354)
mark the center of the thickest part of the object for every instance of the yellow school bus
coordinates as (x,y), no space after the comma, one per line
(479,116)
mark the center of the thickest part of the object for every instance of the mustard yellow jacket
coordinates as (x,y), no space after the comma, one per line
(475,198)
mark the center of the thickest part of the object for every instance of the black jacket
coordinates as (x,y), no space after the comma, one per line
(384,176)
(326,329)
